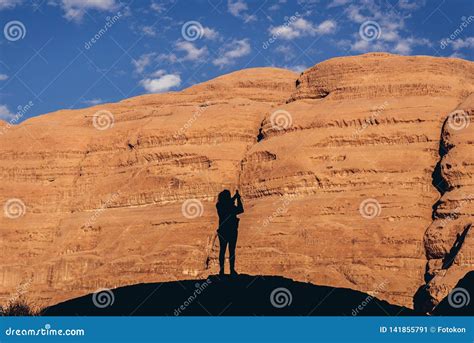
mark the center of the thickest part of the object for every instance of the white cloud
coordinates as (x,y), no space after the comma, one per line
(463,43)
(402,48)
(337,3)
(457,55)
(5,113)
(3,77)
(75,9)
(326,27)
(149,31)
(171,58)
(192,52)
(143,62)
(157,7)
(411,4)
(232,51)
(158,73)
(8,4)
(161,84)
(287,51)
(392,37)
(95,101)
(239,9)
(297,68)
(302,27)
(209,33)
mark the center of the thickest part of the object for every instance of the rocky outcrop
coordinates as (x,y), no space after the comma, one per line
(335,169)
(448,241)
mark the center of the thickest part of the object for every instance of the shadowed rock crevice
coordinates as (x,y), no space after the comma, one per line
(244,295)
(445,238)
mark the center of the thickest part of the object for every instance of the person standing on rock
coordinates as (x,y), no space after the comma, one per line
(227,209)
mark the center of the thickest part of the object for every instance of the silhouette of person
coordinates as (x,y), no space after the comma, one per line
(228,226)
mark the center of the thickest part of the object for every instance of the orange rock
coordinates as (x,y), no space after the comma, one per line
(334,167)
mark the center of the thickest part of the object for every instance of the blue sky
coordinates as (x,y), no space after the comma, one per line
(57,54)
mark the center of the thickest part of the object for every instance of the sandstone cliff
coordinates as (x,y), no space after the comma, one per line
(335,167)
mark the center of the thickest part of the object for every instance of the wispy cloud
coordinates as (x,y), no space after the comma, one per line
(5,113)
(460,43)
(75,9)
(302,27)
(192,53)
(3,77)
(9,4)
(239,9)
(142,62)
(230,52)
(92,101)
(386,24)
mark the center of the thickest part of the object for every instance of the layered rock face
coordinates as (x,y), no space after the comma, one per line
(448,242)
(335,168)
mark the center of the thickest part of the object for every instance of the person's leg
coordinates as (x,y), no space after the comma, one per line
(232,245)
(222,249)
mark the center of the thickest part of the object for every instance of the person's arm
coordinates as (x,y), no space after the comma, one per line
(240,207)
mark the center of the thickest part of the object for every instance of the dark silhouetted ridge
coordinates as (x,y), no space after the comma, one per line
(458,302)
(243,295)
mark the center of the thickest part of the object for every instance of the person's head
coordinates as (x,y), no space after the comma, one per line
(224,197)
